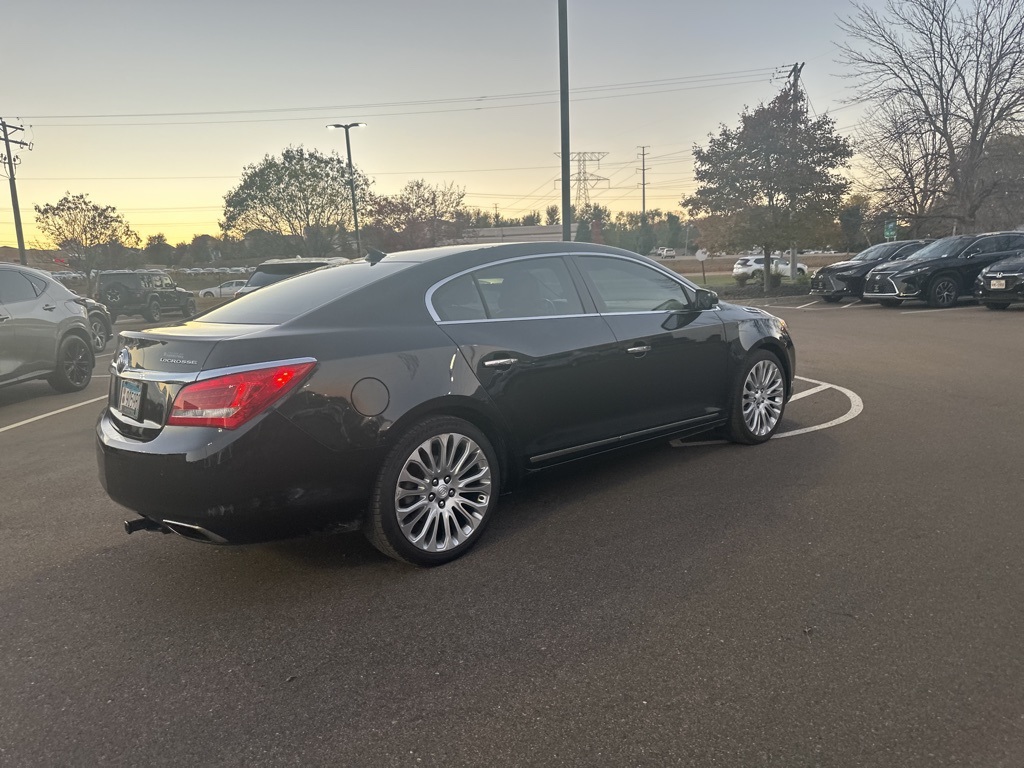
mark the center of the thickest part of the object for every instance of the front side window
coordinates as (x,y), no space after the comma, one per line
(625,286)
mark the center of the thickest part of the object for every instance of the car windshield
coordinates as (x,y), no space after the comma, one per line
(947,246)
(874,253)
(288,299)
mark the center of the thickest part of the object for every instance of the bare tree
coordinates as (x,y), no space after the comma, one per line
(958,66)
(906,169)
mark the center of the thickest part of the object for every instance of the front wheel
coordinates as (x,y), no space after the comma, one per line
(758,400)
(435,492)
(997,304)
(153,311)
(75,361)
(189,310)
(943,292)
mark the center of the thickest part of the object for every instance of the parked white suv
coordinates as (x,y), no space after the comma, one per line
(753,266)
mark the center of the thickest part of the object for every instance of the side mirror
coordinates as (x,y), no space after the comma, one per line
(706,299)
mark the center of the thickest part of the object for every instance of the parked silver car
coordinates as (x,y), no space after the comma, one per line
(44,331)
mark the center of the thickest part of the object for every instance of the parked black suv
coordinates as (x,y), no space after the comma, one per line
(1002,283)
(940,272)
(836,281)
(149,293)
(273,270)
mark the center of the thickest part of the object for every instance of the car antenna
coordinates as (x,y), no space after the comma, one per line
(373,255)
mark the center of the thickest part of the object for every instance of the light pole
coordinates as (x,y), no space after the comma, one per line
(351,178)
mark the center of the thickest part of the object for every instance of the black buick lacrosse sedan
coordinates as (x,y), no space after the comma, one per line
(403,392)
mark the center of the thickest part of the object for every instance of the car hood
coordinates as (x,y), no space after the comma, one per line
(1011,266)
(848,266)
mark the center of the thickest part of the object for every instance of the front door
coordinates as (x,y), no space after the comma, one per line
(673,357)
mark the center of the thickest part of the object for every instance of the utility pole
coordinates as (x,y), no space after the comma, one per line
(794,73)
(643,196)
(563,91)
(8,130)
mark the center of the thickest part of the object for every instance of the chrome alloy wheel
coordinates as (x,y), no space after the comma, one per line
(442,492)
(763,393)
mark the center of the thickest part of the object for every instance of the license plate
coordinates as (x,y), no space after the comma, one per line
(130,398)
(997,284)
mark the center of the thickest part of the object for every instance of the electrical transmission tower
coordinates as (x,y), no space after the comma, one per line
(10,161)
(583,179)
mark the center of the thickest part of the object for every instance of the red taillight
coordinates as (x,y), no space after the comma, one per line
(230,401)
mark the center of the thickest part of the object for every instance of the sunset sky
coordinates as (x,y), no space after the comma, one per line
(155,108)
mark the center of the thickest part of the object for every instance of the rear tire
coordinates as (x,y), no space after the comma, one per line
(435,493)
(100,337)
(75,361)
(997,304)
(758,400)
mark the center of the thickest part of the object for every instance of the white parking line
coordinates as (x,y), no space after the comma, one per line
(807,304)
(847,306)
(811,391)
(856,406)
(51,413)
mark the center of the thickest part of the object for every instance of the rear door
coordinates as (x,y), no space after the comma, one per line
(542,354)
(31,327)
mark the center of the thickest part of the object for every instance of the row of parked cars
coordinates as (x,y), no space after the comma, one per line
(48,331)
(989,267)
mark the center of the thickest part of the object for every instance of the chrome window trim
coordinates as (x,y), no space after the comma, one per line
(429,298)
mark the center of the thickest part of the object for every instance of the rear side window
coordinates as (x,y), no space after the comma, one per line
(15,287)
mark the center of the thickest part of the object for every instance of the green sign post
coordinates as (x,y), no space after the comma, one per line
(890,230)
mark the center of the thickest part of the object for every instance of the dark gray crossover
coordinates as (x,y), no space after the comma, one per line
(44,331)
(403,392)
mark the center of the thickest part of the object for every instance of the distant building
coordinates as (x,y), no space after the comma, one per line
(538,234)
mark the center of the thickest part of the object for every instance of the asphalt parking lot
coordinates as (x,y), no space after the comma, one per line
(850,594)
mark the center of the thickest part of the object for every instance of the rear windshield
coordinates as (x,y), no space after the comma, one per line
(271,273)
(288,299)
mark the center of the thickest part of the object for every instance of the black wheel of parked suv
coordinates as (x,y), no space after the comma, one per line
(153,311)
(74,365)
(435,492)
(758,399)
(943,292)
(189,309)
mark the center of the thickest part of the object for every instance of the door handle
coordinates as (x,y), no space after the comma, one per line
(501,362)
(49,307)
(643,349)
(4,318)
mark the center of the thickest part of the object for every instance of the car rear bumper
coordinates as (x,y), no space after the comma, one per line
(268,482)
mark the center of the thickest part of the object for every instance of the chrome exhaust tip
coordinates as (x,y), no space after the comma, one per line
(144,524)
